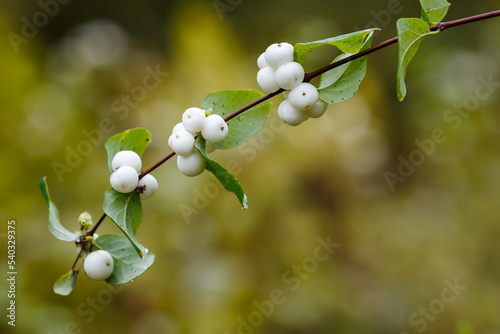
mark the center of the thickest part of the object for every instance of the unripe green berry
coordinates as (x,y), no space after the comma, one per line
(85,220)
(124,179)
(126,158)
(98,265)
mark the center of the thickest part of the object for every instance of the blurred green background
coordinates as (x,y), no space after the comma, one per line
(399,250)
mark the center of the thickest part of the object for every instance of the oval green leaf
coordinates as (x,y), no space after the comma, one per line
(228,180)
(127,266)
(65,284)
(411,32)
(125,210)
(55,226)
(136,140)
(348,43)
(434,11)
(341,83)
(243,126)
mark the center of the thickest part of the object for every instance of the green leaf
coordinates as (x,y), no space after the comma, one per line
(228,180)
(341,83)
(64,285)
(434,11)
(348,43)
(243,126)
(411,32)
(55,226)
(127,265)
(136,140)
(125,210)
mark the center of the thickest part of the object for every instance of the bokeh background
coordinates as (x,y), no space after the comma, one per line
(399,250)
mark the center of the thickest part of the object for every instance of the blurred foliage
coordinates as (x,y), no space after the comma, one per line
(322,179)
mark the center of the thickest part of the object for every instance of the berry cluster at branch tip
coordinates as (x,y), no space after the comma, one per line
(126,166)
(98,265)
(196,121)
(279,70)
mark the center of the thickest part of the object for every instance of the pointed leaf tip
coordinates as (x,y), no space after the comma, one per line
(55,226)
(228,180)
(411,32)
(65,284)
(434,11)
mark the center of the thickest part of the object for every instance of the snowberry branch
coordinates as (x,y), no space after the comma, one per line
(441,26)
(308,77)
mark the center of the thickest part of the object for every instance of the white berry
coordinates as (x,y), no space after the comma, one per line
(291,115)
(181,142)
(266,80)
(278,54)
(303,97)
(98,265)
(290,75)
(215,129)
(210,147)
(261,61)
(317,110)
(191,165)
(178,127)
(151,185)
(126,158)
(124,179)
(193,119)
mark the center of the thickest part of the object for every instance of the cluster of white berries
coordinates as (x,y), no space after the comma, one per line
(126,167)
(195,121)
(278,70)
(98,265)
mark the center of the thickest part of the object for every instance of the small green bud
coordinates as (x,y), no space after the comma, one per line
(85,220)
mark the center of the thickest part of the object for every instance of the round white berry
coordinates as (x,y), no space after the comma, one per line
(278,54)
(261,61)
(191,165)
(178,127)
(215,129)
(181,142)
(266,80)
(289,75)
(317,110)
(151,185)
(303,97)
(210,147)
(291,115)
(98,265)
(124,179)
(193,119)
(127,158)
